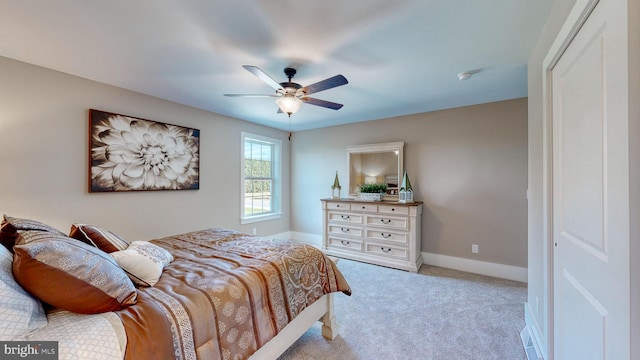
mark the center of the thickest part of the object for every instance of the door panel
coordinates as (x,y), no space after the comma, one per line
(590,191)
(582,321)
(580,153)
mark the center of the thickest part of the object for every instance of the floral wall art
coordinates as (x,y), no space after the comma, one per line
(129,154)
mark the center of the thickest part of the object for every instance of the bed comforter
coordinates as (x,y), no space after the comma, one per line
(225,295)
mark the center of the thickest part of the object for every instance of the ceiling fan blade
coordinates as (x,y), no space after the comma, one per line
(252,95)
(262,76)
(325,84)
(323,103)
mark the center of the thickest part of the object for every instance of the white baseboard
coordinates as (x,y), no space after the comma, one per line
(531,325)
(477,267)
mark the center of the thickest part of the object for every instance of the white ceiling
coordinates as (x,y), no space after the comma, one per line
(400,56)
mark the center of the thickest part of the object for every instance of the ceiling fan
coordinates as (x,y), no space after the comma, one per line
(291,95)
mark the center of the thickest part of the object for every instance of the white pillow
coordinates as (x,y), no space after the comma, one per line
(20,313)
(143,262)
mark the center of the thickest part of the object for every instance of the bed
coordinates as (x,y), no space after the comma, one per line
(207,294)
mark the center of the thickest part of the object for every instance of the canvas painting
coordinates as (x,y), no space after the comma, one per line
(132,154)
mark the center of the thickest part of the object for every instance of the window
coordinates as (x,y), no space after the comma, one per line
(261,178)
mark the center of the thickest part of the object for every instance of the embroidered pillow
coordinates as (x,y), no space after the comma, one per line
(69,274)
(143,262)
(20,313)
(11,226)
(104,240)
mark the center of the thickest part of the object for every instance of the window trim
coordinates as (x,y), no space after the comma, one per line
(277,179)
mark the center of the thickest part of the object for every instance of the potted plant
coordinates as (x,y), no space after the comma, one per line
(372,192)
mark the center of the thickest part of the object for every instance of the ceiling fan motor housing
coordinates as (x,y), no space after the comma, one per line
(290,87)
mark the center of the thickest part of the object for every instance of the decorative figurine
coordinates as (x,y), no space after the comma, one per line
(335,188)
(405,195)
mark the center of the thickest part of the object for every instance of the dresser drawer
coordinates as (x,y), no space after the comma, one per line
(390,209)
(338,206)
(383,221)
(345,230)
(344,244)
(345,217)
(387,251)
(390,237)
(364,207)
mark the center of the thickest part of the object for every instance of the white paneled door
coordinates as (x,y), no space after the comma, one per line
(591,305)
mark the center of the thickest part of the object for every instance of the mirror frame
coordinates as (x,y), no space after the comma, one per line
(397,146)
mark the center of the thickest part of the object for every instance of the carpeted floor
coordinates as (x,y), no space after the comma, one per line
(436,314)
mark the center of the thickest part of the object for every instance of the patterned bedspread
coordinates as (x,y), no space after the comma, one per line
(225,295)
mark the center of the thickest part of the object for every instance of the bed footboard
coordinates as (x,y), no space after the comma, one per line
(329,323)
(320,310)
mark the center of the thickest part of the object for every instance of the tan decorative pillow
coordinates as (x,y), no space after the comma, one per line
(143,262)
(104,240)
(69,274)
(11,226)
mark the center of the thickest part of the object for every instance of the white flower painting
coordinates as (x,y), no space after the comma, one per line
(129,154)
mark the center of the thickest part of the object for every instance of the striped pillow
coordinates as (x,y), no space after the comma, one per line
(104,240)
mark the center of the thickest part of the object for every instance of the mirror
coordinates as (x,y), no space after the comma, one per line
(376,163)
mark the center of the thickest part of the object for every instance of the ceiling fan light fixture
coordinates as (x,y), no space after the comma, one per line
(289,104)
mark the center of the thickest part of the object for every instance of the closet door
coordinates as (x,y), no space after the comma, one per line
(591,302)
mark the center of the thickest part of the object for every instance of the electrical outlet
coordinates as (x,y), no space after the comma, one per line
(474,248)
(254,231)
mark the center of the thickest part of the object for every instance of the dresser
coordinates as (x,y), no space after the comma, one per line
(384,233)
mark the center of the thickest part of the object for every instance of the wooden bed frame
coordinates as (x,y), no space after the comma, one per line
(320,310)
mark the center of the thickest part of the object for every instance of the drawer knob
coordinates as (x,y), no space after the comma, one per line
(387,221)
(344,230)
(345,217)
(385,250)
(393,209)
(386,236)
(345,242)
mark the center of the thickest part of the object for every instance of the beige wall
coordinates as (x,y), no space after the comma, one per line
(44,159)
(468,165)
